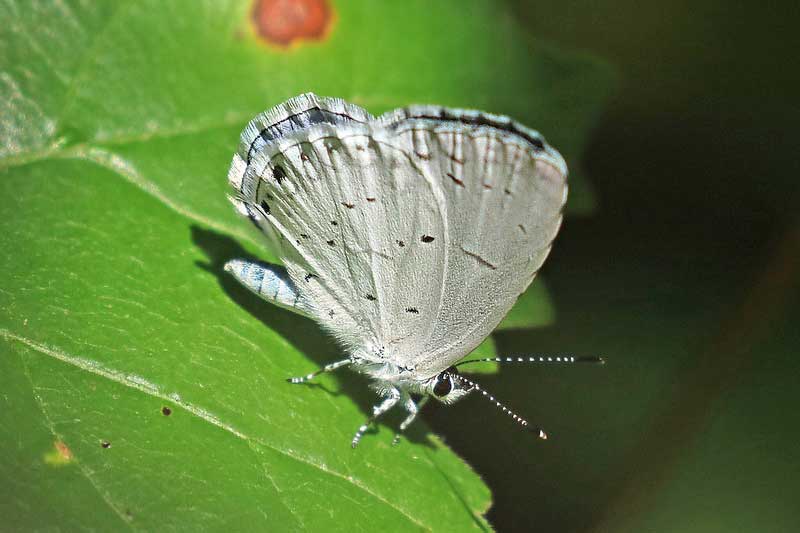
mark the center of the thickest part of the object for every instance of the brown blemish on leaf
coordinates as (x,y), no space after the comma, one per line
(283,22)
(60,455)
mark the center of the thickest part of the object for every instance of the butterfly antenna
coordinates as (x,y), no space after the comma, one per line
(539,432)
(541,359)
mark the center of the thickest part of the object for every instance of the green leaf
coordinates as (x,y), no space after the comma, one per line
(142,387)
(533,309)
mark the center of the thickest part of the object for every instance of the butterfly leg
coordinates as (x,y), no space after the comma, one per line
(412,408)
(389,401)
(327,368)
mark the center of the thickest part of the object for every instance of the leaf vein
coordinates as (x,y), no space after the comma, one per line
(51,426)
(146,387)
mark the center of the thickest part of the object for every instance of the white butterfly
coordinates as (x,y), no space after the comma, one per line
(408,236)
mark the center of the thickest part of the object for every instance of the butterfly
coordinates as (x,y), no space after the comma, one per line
(407,237)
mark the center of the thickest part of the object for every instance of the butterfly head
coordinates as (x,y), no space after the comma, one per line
(449,386)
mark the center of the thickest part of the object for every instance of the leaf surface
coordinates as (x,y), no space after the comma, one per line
(142,388)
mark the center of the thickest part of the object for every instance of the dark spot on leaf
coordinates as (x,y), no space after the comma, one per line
(370,297)
(278,173)
(412,310)
(370,199)
(331,242)
(401,244)
(455,179)
(166,411)
(348,206)
(283,22)
(426,238)
(105,444)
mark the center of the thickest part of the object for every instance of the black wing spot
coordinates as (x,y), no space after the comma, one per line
(507,191)
(331,313)
(309,277)
(370,297)
(412,310)
(370,199)
(348,206)
(457,181)
(522,229)
(331,242)
(426,238)
(401,244)
(334,223)
(479,259)
(265,206)
(278,173)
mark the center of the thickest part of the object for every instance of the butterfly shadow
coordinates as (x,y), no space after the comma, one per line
(300,332)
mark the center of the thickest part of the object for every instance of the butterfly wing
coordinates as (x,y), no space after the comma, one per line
(504,190)
(345,224)
(411,235)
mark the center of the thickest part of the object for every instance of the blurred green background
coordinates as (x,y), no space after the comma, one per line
(685,279)
(679,262)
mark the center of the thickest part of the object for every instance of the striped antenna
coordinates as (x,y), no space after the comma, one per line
(543,359)
(521,421)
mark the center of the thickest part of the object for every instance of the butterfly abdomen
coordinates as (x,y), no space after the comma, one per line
(270,282)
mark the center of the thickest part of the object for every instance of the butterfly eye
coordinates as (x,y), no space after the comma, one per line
(443,385)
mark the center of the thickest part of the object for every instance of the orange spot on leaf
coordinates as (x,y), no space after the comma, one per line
(282,22)
(60,455)
(63,450)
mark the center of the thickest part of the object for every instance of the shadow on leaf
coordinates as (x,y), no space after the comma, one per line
(299,331)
